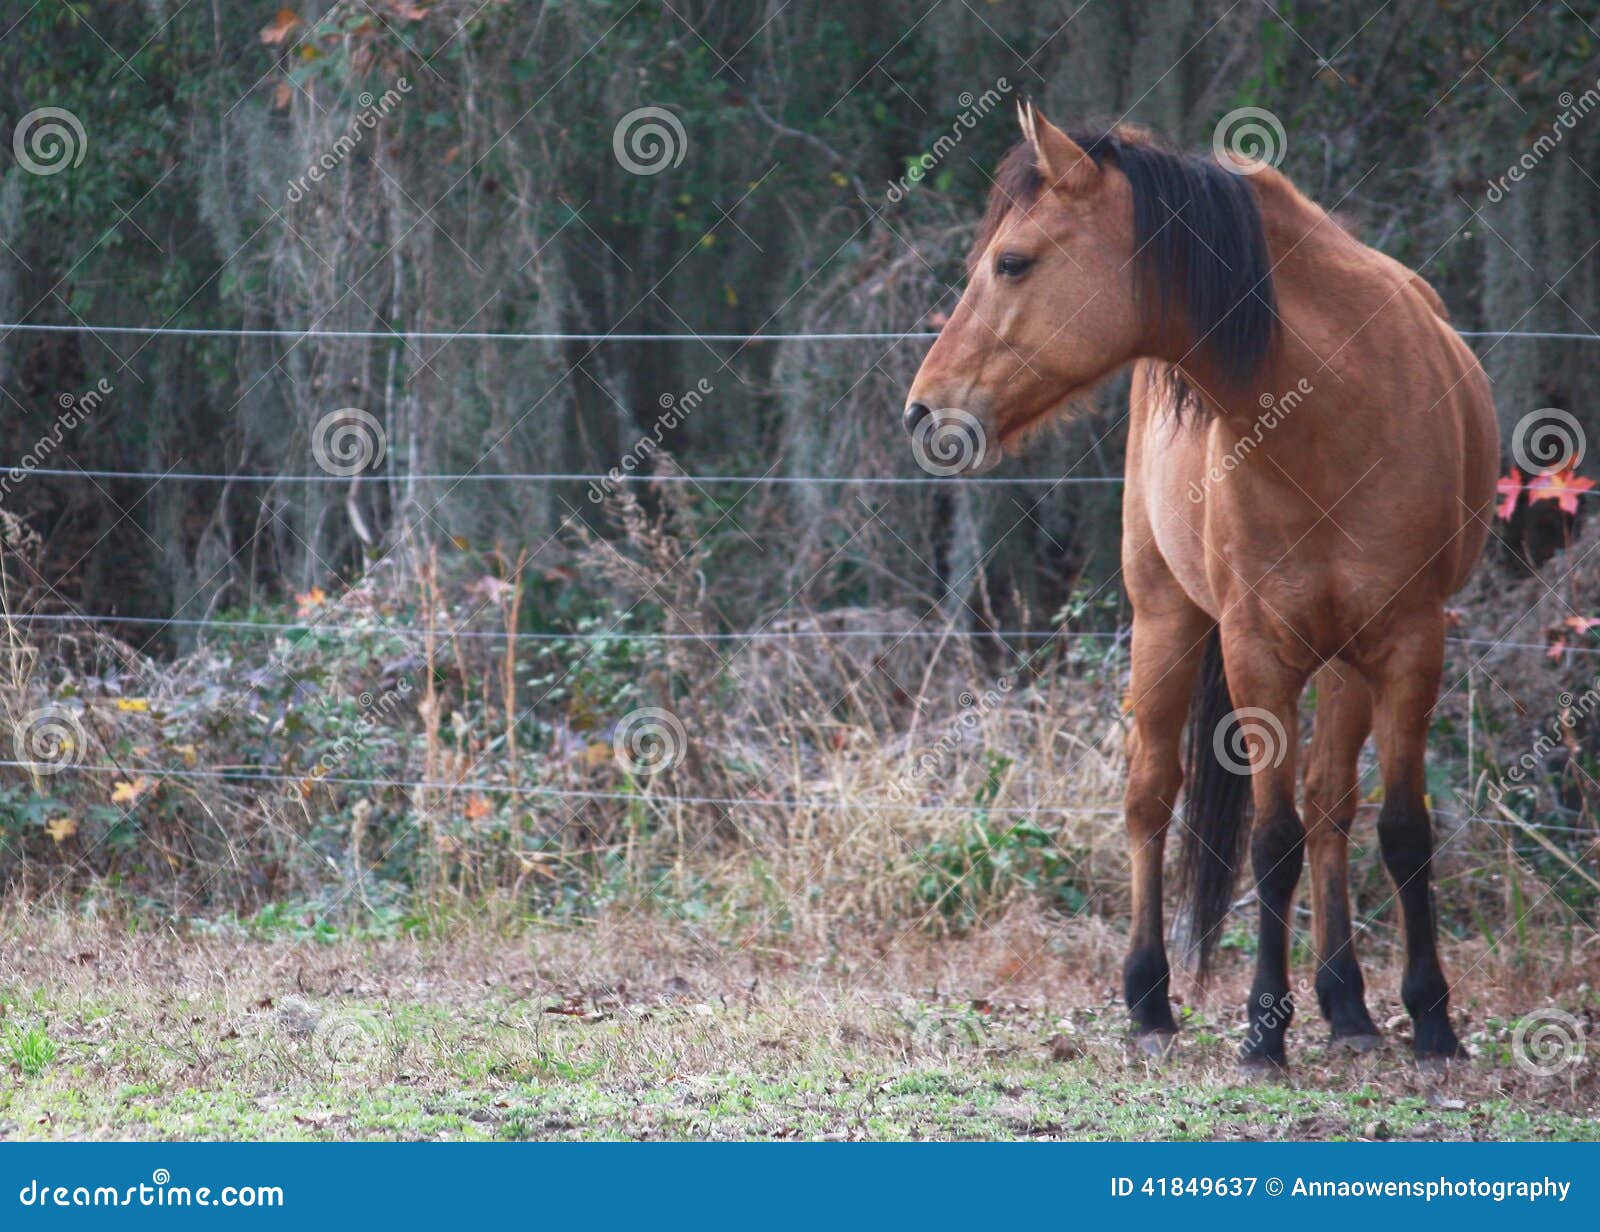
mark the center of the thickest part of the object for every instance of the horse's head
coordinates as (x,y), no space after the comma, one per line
(1090,256)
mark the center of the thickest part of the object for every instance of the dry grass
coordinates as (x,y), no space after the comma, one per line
(638,1027)
(877,780)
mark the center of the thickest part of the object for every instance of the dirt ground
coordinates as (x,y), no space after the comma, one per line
(639,1030)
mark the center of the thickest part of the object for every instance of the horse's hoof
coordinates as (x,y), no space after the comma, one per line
(1155,1045)
(1361,1043)
(1262,1065)
(1439,1063)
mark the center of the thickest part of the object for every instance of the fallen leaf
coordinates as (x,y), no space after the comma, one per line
(478,807)
(138,705)
(61,828)
(129,793)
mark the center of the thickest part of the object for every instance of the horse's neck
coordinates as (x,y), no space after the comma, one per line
(1328,287)
(1309,394)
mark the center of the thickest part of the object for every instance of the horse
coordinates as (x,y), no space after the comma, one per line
(1311,463)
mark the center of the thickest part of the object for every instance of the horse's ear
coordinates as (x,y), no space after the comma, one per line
(1060,159)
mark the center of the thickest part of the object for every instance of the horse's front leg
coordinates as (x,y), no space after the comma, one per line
(1266,692)
(1168,640)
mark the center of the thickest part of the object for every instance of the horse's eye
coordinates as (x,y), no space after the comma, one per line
(1012,265)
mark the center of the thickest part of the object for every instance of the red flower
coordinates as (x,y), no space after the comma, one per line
(1563,486)
(1510,488)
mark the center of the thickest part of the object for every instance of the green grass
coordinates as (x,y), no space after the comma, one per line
(445,1081)
(601,1035)
(31,1050)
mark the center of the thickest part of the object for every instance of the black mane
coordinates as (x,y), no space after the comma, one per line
(1197,232)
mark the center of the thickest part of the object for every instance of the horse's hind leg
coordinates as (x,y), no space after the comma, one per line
(1405,680)
(1344,717)
(1169,635)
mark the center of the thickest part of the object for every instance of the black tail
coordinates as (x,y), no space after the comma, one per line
(1215,802)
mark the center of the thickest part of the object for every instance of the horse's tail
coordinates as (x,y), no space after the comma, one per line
(1215,803)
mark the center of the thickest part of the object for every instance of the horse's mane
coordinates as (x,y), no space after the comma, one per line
(1201,248)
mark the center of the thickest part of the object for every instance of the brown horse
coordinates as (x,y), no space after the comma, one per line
(1311,461)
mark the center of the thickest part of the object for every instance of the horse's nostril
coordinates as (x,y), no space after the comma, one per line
(915,414)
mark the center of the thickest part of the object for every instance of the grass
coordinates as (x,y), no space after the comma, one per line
(637,1030)
(31,1051)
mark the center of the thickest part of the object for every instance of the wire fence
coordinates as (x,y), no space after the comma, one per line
(569,476)
(595,338)
(308,627)
(295,785)
(766,635)
(464,335)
